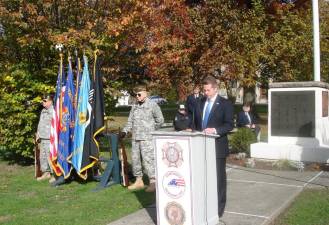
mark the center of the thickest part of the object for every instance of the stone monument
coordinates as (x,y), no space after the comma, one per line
(298,123)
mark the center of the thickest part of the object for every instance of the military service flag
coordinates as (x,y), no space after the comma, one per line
(96,125)
(82,121)
(66,134)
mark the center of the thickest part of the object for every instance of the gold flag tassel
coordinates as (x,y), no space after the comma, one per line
(95,62)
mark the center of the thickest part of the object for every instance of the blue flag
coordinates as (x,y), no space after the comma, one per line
(82,119)
(77,84)
(65,143)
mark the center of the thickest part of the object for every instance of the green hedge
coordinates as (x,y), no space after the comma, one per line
(20,105)
(240,141)
(259,108)
(169,110)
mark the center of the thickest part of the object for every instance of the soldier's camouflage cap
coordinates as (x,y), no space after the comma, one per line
(47,97)
(140,88)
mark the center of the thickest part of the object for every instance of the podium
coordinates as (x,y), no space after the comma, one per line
(186,178)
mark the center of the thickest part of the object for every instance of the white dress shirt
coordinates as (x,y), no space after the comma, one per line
(211,102)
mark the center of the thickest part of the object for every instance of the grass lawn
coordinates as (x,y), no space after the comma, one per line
(27,201)
(311,207)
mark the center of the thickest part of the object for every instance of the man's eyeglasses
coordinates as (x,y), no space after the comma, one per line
(138,94)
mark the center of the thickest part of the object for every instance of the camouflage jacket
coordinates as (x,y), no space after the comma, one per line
(143,119)
(45,123)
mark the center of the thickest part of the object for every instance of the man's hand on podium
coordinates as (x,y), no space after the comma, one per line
(210,131)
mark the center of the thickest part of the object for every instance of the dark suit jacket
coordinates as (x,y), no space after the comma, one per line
(242,119)
(193,109)
(220,118)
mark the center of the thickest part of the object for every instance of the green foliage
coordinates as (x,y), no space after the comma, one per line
(20,98)
(324,42)
(29,62)
(171,96)
(285,59)
(241,140)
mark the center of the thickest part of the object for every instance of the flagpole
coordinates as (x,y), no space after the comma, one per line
(69,58)
(77,80)
(316,40)
(60,91)
(95,61)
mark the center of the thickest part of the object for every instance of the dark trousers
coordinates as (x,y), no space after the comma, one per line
(256,130)
(221,184)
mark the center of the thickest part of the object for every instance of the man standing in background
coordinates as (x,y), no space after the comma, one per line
(248,119)
(193,101)
(43,136)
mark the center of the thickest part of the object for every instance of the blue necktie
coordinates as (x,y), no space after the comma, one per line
(206,115)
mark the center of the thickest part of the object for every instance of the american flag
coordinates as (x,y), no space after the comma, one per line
(55,124)
(177,182)
(54,137)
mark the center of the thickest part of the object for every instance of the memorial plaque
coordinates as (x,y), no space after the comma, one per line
(293,113)
(324,103)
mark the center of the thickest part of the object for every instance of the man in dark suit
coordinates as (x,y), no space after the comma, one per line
(248,119)
(215,116)
(193,101)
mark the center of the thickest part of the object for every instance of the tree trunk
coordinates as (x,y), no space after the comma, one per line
(249,95)
(231,94)
(181,91)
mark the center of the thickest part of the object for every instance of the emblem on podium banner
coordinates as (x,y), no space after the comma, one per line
(172,154)
(173,184)
(175,214)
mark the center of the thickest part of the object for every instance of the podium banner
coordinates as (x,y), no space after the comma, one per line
(186,178)
(173,180)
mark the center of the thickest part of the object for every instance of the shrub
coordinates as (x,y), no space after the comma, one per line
(285,164)
(20,98)
(240,141)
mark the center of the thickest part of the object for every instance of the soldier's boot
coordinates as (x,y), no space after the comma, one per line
(151,187)
(139,184)
(44,176)
(52,179)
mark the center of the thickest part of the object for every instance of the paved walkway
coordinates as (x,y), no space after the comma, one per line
(255,197)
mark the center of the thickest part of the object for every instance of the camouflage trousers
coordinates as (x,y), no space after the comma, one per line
(142,155)
(44,146)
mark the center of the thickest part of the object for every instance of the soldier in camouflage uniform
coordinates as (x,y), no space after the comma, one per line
(43,136)
(145,116)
